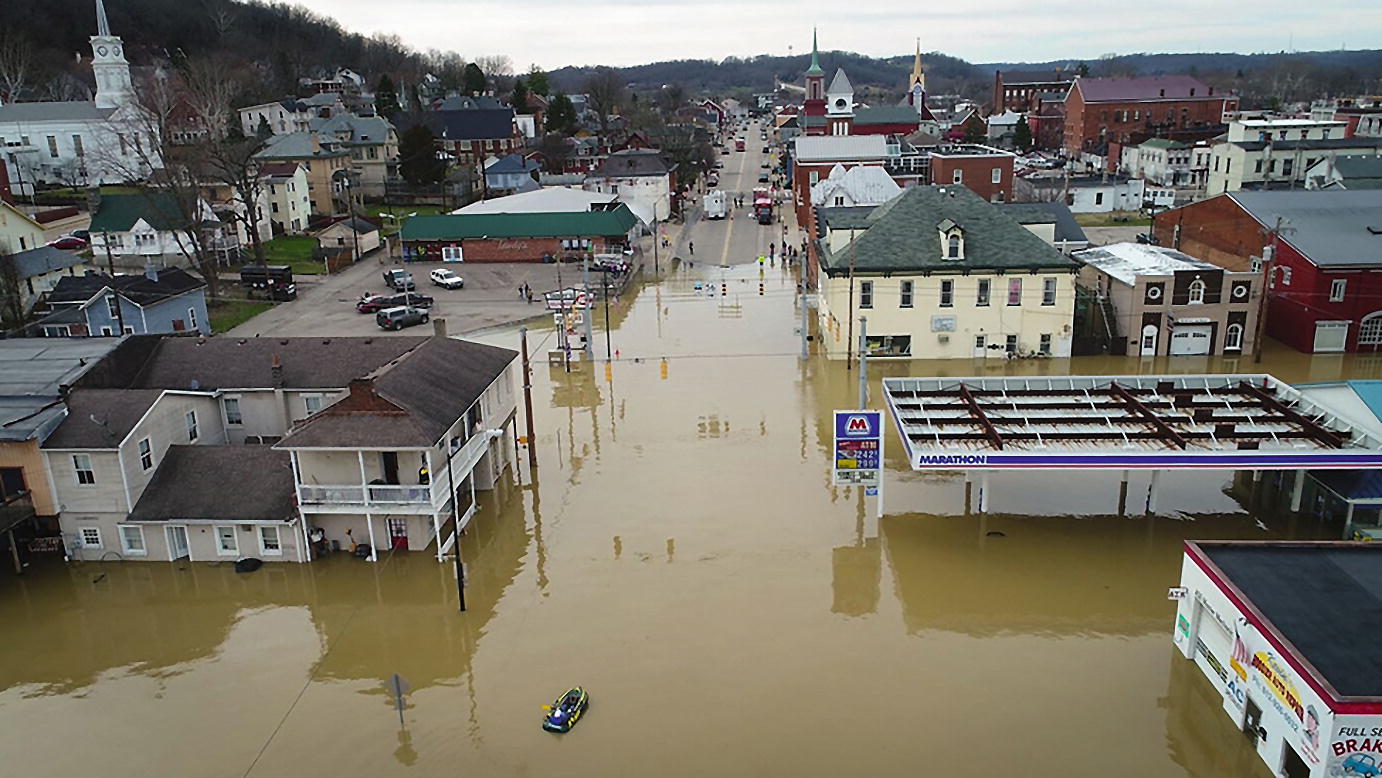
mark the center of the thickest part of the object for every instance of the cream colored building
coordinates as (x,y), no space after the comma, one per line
(18,232)
(1267,152)
(941,274)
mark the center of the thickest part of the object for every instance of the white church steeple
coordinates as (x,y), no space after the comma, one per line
(112,71)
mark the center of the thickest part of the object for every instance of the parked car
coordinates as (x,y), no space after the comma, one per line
(398,279)
(1361,764)
(724,152)
(765,149)
(372,303)
(446,279)
(400,317)
(762,178)
(83,234)
(69,243)
(274,281)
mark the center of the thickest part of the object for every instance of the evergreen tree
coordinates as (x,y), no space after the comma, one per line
(519,98)
(417,157)
(263,131)
(1022,135)
(386,98)
(538,83)
(473,80)
(561,115)
(234,132)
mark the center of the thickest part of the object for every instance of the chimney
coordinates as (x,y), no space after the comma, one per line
(93,199)
(362,390)
(276,370)
(151,272)
(439,327)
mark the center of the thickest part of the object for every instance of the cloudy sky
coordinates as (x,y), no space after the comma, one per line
(553,33)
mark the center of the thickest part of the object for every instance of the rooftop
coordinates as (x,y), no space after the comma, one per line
(1161,422)
(1126,262)
(69,111)
(840,148)
(887,114)
(632,162)
(904,234)
(138,288)
(1310,594)
(1331,228)
(1015,77)
(475,124)
(120,212)
(32,373)
(43,260)
(554,199)
(192,482)
(564,224)
(1067,229)
(1145,88)
(101,418)
(1310,144)
(296,145)
(1164,143)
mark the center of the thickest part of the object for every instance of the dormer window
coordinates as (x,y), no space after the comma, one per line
(952,240)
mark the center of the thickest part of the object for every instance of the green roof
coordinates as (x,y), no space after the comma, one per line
(903,235)
(815,69)
(119,212)
(459,226)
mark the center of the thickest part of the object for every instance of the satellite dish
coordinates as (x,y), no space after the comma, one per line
(196,384)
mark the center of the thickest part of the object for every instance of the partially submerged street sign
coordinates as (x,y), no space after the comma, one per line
(858,448)
(566,299)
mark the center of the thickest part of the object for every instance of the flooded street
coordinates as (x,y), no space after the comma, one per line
(680,552)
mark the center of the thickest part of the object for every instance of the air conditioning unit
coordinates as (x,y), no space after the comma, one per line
(943,338)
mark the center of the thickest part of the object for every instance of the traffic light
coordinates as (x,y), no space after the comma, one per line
(724,288)
(664,368)
(760,288)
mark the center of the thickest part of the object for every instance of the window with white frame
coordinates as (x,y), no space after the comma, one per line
(1044,346)
(91,537)
(451,253)
(1233,337)
(865,294)
(1196,292)
(982,298)
(146,454)
(1336,290)
(957,177)
(312,402)
(1048,291)
(81,464)
(997,175)
(1285,276)
(226,542)
(906,298)
(269,544)
(145,240)
(191,420)
(132,540)
(1370,329)
(947,294)
(113,306)
(232,408)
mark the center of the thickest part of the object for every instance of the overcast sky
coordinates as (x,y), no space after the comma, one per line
(553,33)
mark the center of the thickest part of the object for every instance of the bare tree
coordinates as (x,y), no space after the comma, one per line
(605,92)
(16,63)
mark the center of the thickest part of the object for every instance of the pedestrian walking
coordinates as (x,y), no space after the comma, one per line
(691,247)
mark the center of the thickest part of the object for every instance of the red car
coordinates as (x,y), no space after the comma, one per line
(68,243)
(373,303)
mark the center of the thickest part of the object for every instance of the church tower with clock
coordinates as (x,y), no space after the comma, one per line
(113,87)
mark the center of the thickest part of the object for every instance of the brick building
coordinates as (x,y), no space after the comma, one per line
(1325,294)
(1130,110)
(517,237)
(985,171)
(1022,90)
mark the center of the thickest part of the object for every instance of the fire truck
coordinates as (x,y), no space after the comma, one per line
(763,206)
(739,144)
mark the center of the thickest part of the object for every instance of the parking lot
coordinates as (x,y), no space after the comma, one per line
(326,304)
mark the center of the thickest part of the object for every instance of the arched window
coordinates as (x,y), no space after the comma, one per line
(1196,292)
(953,248)
(1370,329)
(1233,338)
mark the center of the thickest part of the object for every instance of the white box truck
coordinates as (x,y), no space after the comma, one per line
(715,207)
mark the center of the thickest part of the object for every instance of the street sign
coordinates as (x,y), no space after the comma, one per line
(1177,593)
(858,448)
(565,299)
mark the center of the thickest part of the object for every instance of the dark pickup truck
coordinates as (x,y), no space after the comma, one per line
(273,281)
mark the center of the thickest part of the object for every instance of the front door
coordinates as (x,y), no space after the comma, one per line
(398,534)
(1330,336)
(1149,340)
(981,346)
(1252,721)
(389,461)
(1292,765)
(177,542)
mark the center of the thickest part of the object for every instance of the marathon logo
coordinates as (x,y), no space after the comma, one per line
(953,459)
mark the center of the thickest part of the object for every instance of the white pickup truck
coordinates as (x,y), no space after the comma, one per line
(715,205)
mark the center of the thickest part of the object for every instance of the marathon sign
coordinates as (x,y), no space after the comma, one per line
(932,459)
(858,448)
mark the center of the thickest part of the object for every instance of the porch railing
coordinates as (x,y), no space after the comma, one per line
(394,494)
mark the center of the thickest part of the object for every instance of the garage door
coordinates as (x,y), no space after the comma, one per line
(1330,336)
(1187,340)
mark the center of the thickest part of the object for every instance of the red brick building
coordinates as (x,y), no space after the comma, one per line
(1021,90)
(985,171)
(1325,292)
(1130,110)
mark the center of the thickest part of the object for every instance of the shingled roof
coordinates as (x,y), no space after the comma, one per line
(410,402)
(904,235)
(1145,88)
(193,482)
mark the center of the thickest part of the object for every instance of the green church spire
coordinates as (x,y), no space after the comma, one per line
(815,69)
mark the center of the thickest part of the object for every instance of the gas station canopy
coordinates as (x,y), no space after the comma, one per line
(1176,422)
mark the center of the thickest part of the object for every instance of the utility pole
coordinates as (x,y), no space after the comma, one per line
(608,352)
(589,325)
(863,362)
(657,238)
(849,338)
(1268,267)
(456,514)
(801,280)
(110,268)
(565,312)
(528,399)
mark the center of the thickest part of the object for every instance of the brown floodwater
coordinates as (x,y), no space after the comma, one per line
(682,553)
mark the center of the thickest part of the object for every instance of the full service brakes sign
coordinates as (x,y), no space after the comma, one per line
(858,447)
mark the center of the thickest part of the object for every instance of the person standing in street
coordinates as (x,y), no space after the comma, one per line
(691,247)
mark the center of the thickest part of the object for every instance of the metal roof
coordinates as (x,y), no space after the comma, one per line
(1127,262)
(1331,228)
(32,370)
(1121,422)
